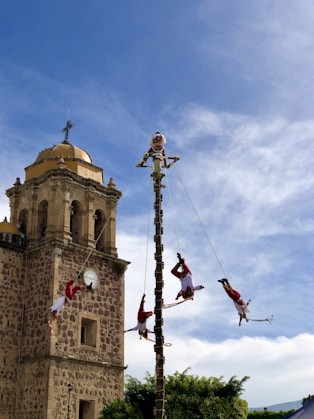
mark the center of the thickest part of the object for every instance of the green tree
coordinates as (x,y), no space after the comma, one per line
(189,396)
(141,395)
(186,396)
(121,409)
(268,414)
(306,399)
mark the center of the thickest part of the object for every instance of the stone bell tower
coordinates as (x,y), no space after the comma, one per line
(62,222)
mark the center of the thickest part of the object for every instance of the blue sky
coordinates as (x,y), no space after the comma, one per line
(230,85)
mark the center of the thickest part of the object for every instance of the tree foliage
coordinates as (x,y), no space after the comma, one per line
(186,396)
(306,399)
(268,414)
(120,409)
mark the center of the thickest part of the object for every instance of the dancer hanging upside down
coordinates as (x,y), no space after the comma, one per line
(185,276)
(240,305)
(70,291)
(142,317)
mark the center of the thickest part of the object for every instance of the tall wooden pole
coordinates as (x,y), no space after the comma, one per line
(159,159)
(159,411)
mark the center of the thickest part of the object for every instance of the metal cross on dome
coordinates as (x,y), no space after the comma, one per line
(66,129)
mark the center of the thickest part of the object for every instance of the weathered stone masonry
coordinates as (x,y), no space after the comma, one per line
(63,207)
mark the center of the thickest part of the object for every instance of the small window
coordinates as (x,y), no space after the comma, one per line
(88,332)
(86,409)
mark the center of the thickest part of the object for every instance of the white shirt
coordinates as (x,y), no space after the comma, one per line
(241,308)
(186,282)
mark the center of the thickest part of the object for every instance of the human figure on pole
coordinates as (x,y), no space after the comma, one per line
(157,153)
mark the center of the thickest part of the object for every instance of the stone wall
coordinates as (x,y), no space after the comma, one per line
(35,366)
(11,315)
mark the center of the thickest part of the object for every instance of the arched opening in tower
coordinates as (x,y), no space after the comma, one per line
(75,221)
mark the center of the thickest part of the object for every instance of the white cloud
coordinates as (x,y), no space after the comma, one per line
(253,194)
(280,369)
(249,178)
(267,48)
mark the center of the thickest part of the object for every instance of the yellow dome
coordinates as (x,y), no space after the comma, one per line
(66,155)
(65,150)
(6,227)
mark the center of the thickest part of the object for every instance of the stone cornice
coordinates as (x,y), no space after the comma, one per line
(105,364)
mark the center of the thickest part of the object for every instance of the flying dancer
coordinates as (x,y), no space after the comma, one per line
(240,305)
(142,317)
(182,271)
(58,305)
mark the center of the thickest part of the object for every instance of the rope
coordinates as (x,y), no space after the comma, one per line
(129,181)
(176,304)
(165,343)
(173,214)
(148,224)
(102,230)
(268,319)
(205,232)
(147,239)
(91,251)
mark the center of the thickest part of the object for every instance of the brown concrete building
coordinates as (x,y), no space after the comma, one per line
(62,220)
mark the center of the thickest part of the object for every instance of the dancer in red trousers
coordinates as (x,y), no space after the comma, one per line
(182,271)
(142,317)
(240,305)
(70,291)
